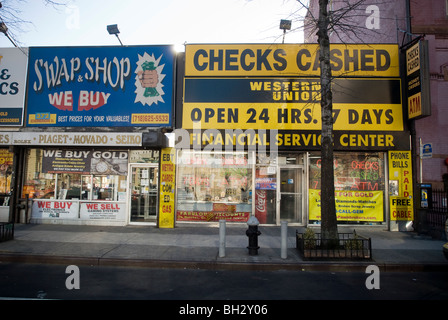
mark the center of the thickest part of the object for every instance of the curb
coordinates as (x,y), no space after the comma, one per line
(330,266)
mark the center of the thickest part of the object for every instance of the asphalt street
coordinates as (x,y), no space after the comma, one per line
(54,281)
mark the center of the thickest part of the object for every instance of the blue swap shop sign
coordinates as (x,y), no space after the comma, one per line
(100,86)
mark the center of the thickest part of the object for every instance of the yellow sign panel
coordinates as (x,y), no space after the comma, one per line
(415,105)
(150,118)
(42,118)
(350,205)
(167,188)
(291,116)
(413,59)
(400,185)
(311,139)
(348,60)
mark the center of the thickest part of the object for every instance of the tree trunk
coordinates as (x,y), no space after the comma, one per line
(329,229)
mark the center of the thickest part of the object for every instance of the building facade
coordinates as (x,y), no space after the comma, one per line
(248,135)
(368,21)
(87,143)
(430,19)
(91,136)
(402,22)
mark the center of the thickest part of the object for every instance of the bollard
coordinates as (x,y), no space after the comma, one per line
(284,236)
(22,214)
(446,229)
(222,238)
(253,234)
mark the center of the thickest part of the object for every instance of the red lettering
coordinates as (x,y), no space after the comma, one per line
(43,204)
(365,165)
(401,214)
(92,100)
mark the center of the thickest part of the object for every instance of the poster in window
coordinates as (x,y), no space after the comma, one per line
(85,162)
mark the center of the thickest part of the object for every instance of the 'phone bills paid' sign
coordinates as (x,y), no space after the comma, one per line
(100,86)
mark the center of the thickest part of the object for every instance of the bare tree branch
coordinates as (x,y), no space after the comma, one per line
(11,15)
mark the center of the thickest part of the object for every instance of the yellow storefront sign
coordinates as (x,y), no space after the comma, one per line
(400,185)
(291,116)
(350,205)
(167,187)
(284,139)
(275,91)
(354,60)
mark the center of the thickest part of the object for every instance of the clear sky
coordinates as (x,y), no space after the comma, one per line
(83,22)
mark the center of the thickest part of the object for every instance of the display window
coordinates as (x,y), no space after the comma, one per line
(213,186)
(359,187)
(68,184)
(75,175)
(6,168)
(6,161)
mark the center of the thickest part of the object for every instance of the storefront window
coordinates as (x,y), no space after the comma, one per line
(108,188)
(144,156)
(99,176)
(213,185)
(6,161)
(68,186)
(359,187)
(290,159)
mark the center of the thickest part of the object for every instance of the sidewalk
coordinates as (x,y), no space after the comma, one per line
(197,246)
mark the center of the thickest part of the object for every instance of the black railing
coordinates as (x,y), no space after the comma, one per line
(349,246)
(437,214)
(6,231)
(439,200)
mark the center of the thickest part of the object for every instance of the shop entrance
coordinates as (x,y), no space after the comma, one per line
(290,194)
(143,193)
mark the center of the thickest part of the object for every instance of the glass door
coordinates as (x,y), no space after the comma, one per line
(144,193)
(290,194)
